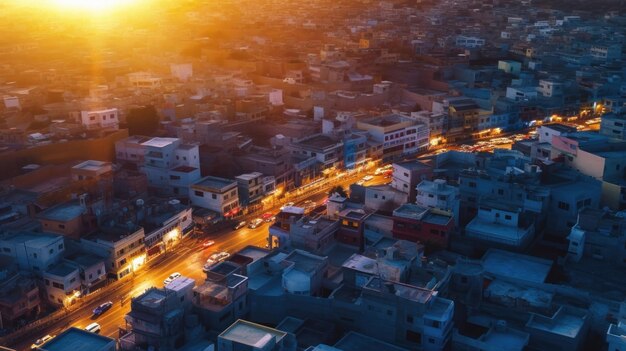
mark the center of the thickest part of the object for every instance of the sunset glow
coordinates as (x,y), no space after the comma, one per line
(90,5)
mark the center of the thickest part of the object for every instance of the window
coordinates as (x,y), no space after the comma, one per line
(500,191)
(198,193)
(6,249)
(174,177)
(60,247)
(34,254)
(51,251)
(413,337)
(431,340)
(507,217)
(213,196)
(62,226)
(472,184)
(389,312)
(563,206)
(409,319)
(73,280)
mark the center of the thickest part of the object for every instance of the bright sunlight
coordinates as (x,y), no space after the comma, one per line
(91,5)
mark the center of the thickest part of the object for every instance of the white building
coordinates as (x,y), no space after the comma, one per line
(550,88)
(606,53)
(438,195)
(33,252)
(216,194)
(469,42)
(62,283)
(100,119)
(399,134)
(502,224)
(169,165)
(250,187)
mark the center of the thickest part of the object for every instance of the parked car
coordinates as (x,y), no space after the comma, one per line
(41,341)
(255,223)
(367,178)
(214,259)
(207,243)
(93,328)
(240,225)
(102,308)
(268,217)
(171,277)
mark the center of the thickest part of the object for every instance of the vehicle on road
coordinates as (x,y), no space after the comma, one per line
(41,341)
(367,178)
(102,308)
(288,204)
(215,259)
(171,277)
(440,151)
(361,182)
(268,217)
(255,223)
(93,328)
(207,243)
(240,225)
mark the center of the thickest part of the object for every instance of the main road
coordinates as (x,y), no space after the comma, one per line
(187,259)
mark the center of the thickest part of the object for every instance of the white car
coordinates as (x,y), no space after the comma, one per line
(171,277)
(93,328)
(255,223)
(288,204)
(367,178)
(215,259)
(41,341)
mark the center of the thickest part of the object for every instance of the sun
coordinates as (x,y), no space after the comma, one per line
(90,5)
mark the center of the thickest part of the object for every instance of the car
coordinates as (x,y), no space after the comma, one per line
(287,204)
(387,166)
(102,308)
(361,182)
(268,217)
(93,328)
(207,243)
(255,223)
(171,277)
(41,341)
(214,259)
(367,178)
(240,225)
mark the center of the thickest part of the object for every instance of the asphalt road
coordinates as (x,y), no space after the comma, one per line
(187,259)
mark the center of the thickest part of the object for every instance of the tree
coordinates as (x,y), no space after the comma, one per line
(339,190)
(142,120)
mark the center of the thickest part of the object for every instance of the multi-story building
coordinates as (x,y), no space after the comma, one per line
(351,227)
(420,224)
(156,320)
(437,194)
(399,134)
(121,247)
(250,188)
(66,219)
(35,252)
(501,223)
(92,170)
(303,273)
(170,165)
(100,119)
(406,176)
(79,340)
(165,223)
(19,298)
(325,149)
(216,194)
(62,283)
(598,234)
(613,126)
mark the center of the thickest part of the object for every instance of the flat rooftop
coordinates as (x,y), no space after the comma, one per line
(561,128)
(359,342)
(413,165)
(385,121)
(353,214)
(411,211)
(77,340)
(159,142)
(305,262)
(62,212)
(404,291)
(251,334)
(151,298)
(567,322)
(61,269)
(112,234)
(512,265)
(215,184)
(362,264)
(91,165)
(31,239)
(254,252)
(318,142)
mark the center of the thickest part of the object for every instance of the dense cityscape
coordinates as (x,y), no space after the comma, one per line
(348,175)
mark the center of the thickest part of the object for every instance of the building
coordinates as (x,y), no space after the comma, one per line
(383,198)
(501,223)
(19,298)
(92,170)
(244,335)
(565,330)
(79,340)
(420,224)
(407,174)
(439,195)
(216,194)
(613,126)
(400,135)
(91,270)
(303,273)
(156,320)
(164,222)
(107,119)
(599,234)
(352,227)
(63,284)
(250,188)
(35,252)
(327,151)
(122,248)
(66,219)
